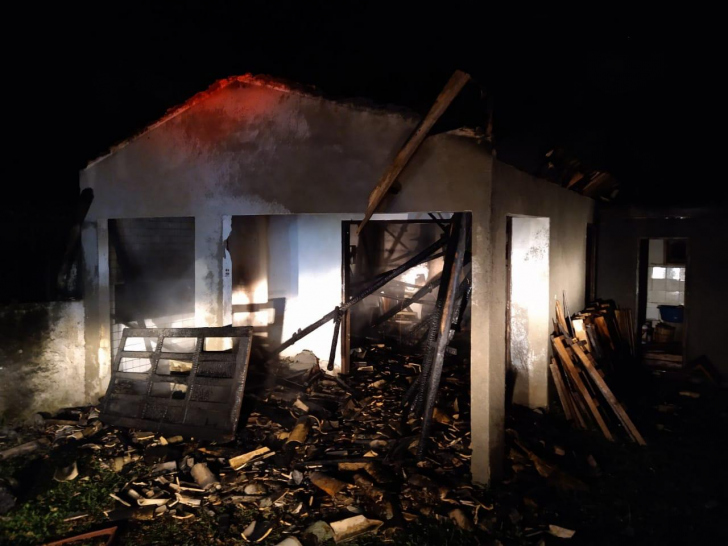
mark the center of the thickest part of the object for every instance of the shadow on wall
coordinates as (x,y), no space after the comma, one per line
(517,376)
(42,365)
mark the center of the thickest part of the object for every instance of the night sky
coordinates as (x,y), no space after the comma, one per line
(609,86)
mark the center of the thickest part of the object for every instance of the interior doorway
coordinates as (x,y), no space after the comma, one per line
(527,308)
(661,296)
(383,246)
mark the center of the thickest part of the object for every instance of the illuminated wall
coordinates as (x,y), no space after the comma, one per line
(42,358)
(529,310)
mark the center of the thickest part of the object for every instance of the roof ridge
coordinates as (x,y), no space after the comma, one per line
(261,80)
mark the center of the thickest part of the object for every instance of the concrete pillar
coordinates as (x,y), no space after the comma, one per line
(104,306)
(90,272)
(487,377)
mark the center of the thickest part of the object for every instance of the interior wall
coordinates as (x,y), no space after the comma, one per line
(316,289)
(529,310)
(706,290)
(519,194)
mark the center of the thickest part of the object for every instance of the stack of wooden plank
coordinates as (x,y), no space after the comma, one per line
(581,345)
(609,333)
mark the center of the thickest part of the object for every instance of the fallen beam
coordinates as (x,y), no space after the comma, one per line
(447,95)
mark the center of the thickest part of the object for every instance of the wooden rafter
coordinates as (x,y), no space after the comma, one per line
(446,96)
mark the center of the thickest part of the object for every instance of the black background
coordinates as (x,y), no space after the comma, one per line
(621,90)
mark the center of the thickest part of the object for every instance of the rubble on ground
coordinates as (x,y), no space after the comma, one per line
(320,458)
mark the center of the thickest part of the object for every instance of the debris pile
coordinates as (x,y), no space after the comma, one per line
(316,450)
(316,457)
(586,347)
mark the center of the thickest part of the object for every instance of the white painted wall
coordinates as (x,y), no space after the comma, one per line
(318,284)
(529,310)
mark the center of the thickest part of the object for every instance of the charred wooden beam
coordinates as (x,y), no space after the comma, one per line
(416,394)
(415,260)
(443,337)
(404,304)
(332,354)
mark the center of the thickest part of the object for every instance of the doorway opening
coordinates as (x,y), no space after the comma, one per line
(399,313)
(391,302)
(282,273)
(662,301)
(152,279)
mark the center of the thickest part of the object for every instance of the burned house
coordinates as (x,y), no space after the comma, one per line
(241,208)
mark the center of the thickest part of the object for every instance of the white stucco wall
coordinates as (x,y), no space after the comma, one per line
(529,310)
(42,361)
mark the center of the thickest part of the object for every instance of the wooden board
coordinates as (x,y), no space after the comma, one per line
(586,361)
(561,390)
(446,96)
(580,332)
(561,320)
(603,330)
(565,357)
(624,326)
(581,412)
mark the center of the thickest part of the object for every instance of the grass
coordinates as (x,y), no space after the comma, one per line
(46,503)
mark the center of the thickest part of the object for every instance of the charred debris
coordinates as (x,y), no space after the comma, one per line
(319,459)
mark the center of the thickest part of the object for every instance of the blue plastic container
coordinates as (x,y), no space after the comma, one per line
(671,313)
